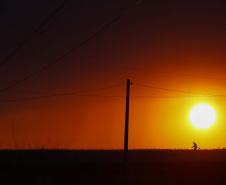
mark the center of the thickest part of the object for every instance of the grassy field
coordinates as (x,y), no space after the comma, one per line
(106,167)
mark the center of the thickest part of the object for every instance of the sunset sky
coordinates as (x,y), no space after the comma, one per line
(172,51)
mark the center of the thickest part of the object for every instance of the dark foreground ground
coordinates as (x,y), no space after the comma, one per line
(47,167)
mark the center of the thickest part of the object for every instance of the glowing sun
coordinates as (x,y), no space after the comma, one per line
(202,116)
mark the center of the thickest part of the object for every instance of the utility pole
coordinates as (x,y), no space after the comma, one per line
(126,123)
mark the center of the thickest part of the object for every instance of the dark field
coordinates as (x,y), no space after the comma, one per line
(106,167)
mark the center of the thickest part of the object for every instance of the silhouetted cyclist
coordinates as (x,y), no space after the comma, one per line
(195,146)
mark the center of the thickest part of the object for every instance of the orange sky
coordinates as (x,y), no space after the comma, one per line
(171,37)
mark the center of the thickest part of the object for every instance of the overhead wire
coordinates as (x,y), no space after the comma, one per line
(75,93)
(160,88)
(28,92)
(82,91)
(69,52)
(204,95)
(152,87)
(175,90)
(154,71)
(175,97)
(107,96)
(49,96)
(32,34)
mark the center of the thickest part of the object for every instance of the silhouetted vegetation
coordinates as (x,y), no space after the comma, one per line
(106,167)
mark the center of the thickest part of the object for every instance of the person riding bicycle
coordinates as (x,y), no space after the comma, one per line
(195,146)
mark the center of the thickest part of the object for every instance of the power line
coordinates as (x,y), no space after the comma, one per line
(113,96)
(108,96)
(76,93)
(175,90)
(29,92)
(154,71)
(146,86)
(31,36)
(176,97)
(72,50)
(40,97)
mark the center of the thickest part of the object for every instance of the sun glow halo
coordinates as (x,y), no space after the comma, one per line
(202,116)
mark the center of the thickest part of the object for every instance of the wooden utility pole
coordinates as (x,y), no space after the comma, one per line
(126,123)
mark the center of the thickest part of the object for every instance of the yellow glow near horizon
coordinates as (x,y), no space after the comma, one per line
(202,116)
